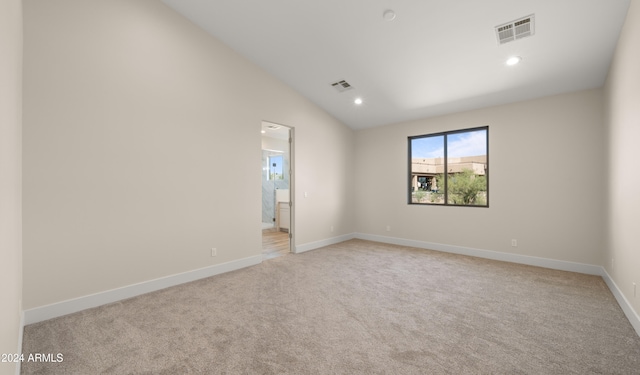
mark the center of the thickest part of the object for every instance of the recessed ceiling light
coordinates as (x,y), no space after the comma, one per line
(513,60)
(263,131)
(358,101)
(389,15)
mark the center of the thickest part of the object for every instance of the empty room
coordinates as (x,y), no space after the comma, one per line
(452,186)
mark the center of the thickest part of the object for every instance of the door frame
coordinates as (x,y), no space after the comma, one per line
(291,172)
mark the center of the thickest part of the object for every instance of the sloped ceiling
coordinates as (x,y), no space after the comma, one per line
(435,57)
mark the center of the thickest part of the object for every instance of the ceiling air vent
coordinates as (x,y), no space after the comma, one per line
(342,86)
(514,30)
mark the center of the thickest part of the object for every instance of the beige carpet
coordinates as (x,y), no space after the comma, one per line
(357,307)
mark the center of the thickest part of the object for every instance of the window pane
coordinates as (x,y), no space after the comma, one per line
(427,162)
(467,168)
(275,168)
(450,168)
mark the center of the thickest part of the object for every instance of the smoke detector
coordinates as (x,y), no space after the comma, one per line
(342,86)
(514,30)
(389,15)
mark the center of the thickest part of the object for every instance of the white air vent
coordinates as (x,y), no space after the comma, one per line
(342,86)
(518,29)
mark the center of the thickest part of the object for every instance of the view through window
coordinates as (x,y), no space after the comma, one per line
(275,168)
(450,168)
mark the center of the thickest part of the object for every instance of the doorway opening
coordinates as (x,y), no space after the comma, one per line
(277,183)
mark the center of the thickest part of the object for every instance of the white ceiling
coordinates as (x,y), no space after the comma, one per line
(436,57)
(276,131)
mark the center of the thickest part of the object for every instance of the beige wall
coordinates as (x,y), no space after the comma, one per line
(142,149)
(10,178)
(623,133)
(554,213)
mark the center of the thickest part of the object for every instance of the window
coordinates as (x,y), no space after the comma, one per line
(275,168)
(450,168)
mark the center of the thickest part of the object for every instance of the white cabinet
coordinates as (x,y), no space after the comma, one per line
(283,217)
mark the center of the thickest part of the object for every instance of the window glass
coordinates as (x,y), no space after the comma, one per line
(275,168)
(450,168)
(427,163)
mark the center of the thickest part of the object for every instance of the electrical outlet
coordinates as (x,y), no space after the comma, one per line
(214,251)
(613,264)
(332,229)
(634,290)
(388,228)
(514,243)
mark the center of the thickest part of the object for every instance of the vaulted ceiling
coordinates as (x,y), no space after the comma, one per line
(434,57)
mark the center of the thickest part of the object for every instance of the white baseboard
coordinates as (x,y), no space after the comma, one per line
(562,265)
(633,316)
(55,310)
(77,304)
(488,254)
(322,243)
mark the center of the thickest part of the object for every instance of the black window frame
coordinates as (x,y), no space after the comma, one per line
(445,134)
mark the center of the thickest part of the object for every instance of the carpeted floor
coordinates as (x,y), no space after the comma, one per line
(357,307)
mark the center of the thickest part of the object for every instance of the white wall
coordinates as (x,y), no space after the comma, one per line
(10,179)
(545,181)
(269,143)
(142,149)
(622,91)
